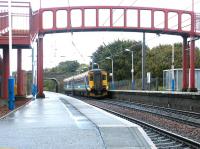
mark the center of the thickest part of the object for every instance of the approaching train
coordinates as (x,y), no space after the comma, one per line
(93,83)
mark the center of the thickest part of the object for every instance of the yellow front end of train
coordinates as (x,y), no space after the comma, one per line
(98,83)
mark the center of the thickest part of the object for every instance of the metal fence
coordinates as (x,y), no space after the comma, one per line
(155,84)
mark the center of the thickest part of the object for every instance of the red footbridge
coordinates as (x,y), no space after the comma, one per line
(31,26)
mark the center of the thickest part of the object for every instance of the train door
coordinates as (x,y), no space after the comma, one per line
(97,82)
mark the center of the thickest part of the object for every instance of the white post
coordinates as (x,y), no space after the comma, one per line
(192,5)
(33,66)
(113,86)
(10,27)
(40,4)
(132,71)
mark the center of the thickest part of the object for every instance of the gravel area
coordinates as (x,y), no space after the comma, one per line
(170,125)
(19,102)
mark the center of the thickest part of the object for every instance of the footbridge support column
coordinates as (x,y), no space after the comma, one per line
(192,87)
(40,93)
(6,72)
(185,65)
(19,72)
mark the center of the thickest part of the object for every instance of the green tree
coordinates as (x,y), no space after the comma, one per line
(157,59)
(82,68)
(63,70)
(49,85)
(160,58)
(69,67)
(197,58)
(121,59)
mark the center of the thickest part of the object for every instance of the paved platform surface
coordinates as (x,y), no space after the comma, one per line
(62,122)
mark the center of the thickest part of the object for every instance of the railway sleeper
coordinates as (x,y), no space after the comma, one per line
(171,144)
(154,136)
(157,141)
(171,147)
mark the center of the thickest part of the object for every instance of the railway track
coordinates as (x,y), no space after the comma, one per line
(186,117)
(163,139)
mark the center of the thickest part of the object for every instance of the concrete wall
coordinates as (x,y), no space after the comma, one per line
(181,101)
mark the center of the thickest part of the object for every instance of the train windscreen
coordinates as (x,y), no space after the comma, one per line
(97,78)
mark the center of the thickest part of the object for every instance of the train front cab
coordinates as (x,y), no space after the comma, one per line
(98,83)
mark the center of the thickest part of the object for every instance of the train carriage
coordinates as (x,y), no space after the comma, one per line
(92,83)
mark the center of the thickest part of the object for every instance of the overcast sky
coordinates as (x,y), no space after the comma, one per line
(59,47)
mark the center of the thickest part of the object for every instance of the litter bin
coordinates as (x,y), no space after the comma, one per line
(11,93)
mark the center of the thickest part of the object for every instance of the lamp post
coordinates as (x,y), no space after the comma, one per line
(113,84)
(92,61)
(132,70)
(10,29)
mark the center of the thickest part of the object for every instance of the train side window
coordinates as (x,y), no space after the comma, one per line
(104,77)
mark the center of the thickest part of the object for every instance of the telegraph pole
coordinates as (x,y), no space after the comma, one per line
(143,62)
(173,79)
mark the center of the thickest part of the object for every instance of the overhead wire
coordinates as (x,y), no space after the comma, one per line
(114,10)
(73,43)
(173,17)
(156,36)
(119,4)
(160,22)
(153,38)
(117,19)
(132,5)
(189,7)
(81,55)
(123,14)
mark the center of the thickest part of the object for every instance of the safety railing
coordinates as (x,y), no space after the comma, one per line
(20,16)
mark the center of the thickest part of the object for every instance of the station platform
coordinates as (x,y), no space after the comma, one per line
(185,101)
(60,121)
